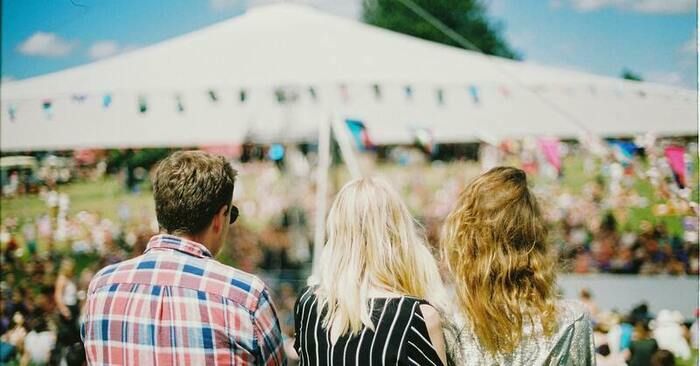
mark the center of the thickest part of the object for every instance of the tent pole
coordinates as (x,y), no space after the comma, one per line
(324,152)
(341,134)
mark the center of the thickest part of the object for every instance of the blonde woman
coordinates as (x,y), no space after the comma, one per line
(495,245)
(380,290)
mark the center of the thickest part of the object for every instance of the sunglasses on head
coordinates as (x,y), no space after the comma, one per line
(234,214)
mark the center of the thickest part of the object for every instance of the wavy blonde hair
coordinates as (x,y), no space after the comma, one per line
(373,241)
(495,245)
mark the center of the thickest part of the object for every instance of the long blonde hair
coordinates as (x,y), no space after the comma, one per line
(495,245)
(373,241)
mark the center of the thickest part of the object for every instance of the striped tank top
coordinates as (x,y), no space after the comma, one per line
(400,335)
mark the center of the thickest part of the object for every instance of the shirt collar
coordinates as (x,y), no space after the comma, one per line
(164,241)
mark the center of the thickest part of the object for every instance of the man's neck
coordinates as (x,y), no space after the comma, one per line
(201,239)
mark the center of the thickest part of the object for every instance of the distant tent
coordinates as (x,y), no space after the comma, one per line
(225,76)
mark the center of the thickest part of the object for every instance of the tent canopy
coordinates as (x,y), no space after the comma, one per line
(221,84)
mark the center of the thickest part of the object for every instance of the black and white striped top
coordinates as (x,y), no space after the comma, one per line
(400,336)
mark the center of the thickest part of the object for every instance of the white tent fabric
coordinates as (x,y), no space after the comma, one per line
(296,47)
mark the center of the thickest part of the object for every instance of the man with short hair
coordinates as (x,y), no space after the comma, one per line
(176,304)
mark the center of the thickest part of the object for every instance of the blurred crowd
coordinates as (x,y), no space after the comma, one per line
(641,338)
(48,260)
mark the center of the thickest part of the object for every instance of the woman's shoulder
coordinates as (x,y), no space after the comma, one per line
(571,312)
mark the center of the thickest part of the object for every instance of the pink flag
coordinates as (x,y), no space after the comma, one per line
(551,150)
(675,156)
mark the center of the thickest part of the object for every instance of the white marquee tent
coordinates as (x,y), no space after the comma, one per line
(458,95)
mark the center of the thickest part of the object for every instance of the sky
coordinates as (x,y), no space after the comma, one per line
(654,38)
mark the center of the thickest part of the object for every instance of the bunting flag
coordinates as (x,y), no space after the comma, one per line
(213,96)
(676,159)
(312,93)
(106,100)
(143,104)
(179,104)
(377,91)
(243,95)
(552,151)
(425,140)
(624,151)
(408,91)
(47,106)
(79,98)
(360,134)
(474,92)
(440,94)
(12,111)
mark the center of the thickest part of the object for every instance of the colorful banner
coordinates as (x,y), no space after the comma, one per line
(474,92)
(676,159)
(360,134)
(551,148)
(106,101)
(425,140)
(12,111)
(47,106)
(624,151)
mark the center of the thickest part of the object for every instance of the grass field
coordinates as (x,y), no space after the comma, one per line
(105,196)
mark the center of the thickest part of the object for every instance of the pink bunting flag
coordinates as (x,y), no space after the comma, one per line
(551,149)
(676,159)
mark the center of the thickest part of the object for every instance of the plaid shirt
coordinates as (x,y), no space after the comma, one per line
(175,304)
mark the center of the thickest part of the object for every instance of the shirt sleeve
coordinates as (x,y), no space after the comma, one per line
(268,334)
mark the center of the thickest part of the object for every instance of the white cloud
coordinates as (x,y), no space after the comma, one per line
(640,6)
(46,45)
(102,49)
(107,48)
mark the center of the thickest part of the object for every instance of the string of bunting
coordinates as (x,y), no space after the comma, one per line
(287,95)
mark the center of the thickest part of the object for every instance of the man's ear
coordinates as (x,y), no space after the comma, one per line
(219,219)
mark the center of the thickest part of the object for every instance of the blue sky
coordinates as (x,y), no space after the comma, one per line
(656,38)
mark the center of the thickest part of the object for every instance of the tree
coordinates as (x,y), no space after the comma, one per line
(631,75)
(467,18)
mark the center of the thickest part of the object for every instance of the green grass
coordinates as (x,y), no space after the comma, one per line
(103,196)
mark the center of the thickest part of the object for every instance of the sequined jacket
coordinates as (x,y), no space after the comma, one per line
(570,345)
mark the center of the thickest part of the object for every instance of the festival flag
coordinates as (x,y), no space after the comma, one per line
(143,104)
(312,93)
(47,106)
(504,91)
(676,159)
(79,98)
(179,104)
(106,101)
(474,92)
(551,149)
(213,96)
(242,95)
(425,140)
(408,91)
(440,94)
(12,111)
(377,91)
(360,134)
(624,151)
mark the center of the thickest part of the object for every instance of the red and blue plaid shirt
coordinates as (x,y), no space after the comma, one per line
(175,304)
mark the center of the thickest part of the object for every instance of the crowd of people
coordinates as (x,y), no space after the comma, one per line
(48,260)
